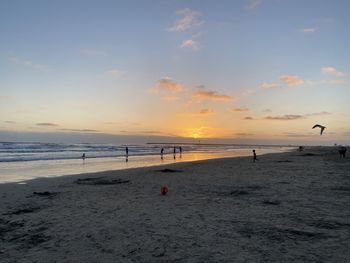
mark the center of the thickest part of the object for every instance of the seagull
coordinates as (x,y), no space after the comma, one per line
(319,126)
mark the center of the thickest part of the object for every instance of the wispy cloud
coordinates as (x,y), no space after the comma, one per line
(152,132)
(49,124)
(211,95)
(114,72)
(167,84)
(336,82)
(206,111)
(78,130)
(322,113)
(28,63)
(239,109)
(308,30)
(286,117)
(170,98)
(190,43)
(332,71)
(93,52)
(253,4)
(270,85)
(201,113)
(296,135)
(289,117)
(243,134)
(10,122)
(111,123)
(291,80)
(188,19)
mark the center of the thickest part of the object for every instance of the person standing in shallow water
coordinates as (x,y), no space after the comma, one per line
(126,151)
(161,153)
(254,156)
(174,152)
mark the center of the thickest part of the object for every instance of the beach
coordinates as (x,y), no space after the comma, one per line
(286,207)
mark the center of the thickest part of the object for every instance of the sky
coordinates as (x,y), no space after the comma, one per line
(243,70)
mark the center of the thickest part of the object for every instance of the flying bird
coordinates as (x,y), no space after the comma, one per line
(319,126)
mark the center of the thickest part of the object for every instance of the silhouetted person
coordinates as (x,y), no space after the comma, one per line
(161,153)
(301,148)
(254,156)
(126,151)
(180,148)
(83,156)
(342,151)
(174,152)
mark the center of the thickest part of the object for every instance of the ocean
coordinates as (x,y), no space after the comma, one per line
(28,160)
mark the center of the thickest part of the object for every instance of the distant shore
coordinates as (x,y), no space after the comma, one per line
(287,207)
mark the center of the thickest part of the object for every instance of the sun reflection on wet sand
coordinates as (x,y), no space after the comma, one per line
(21,171)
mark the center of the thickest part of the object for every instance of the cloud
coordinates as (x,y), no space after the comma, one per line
(93,52)
(244,134)
(308,30)
(270,85)
(78,130)
(49,124)
(267,110)
(111,123)
(150,132)
(190,43)
(287,117)
(189,19)
(322,113)
(201,113)
(332,71)
(291,80)
(167,84)
(206,112)
(10,122)
(211,95)
(253,4)
(169,98)
(336,81)
(114,72)
(292,134)
(145,132)
(239,109)
(28,63)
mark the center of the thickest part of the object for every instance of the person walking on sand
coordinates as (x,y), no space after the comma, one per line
(342,151)
(254,156)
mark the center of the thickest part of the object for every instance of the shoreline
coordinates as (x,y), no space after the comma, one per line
(22,171)
(286,207)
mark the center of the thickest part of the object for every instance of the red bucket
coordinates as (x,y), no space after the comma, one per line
(164,190)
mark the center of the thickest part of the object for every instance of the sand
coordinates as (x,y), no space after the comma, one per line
(290,207)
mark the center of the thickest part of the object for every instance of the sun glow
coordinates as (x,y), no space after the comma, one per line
(195,135)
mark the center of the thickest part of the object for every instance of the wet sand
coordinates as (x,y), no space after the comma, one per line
(289,207)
